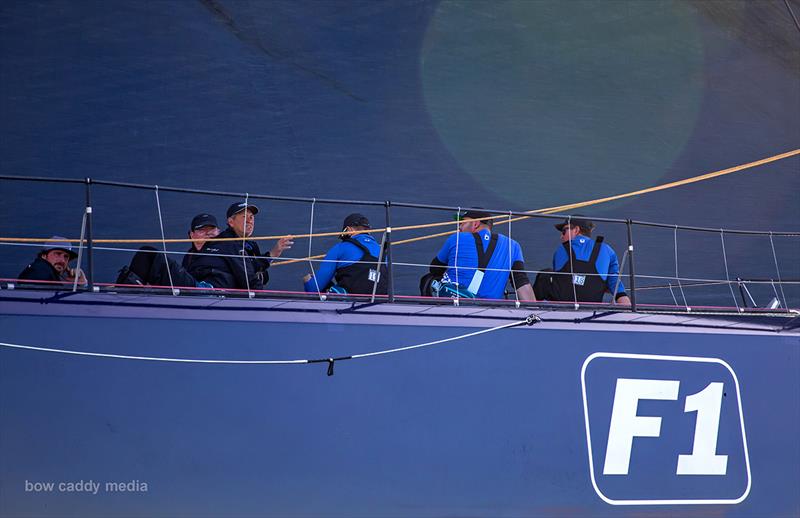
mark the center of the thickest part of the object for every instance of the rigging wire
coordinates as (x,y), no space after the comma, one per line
(777,271)
(163,243)
(727,275)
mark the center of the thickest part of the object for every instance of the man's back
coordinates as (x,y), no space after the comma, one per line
(460,249)
(603,271)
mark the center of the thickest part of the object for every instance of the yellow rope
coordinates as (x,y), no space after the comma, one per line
(548,210)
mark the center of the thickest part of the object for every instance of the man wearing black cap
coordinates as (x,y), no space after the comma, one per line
(52,263)
(238,263)
(586,268)
(485,261)
(151,267)
(353,263)
(203,227)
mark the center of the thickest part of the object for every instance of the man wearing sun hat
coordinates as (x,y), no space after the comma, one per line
(52,263)
(237,263)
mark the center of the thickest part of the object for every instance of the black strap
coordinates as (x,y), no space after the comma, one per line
(363,248)
(484,256)
(596,250)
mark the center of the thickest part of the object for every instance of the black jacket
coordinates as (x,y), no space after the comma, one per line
(225,268)
(40,270)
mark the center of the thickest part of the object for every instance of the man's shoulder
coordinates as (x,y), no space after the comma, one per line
(606,248)
(219,246)
(39,270)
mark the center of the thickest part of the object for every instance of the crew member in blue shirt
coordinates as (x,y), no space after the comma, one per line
(486,261)
(593,270)
(350,266)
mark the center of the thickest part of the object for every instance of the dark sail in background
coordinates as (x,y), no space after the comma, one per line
(507,105)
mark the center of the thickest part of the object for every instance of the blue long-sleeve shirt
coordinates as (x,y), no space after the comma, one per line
(341,255)
(506,258)
(607,263)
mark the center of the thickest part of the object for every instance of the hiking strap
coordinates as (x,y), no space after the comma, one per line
(367,253)
(484,256)
(598,244)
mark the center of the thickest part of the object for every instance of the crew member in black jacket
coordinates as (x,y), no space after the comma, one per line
(52,264)
(238,263)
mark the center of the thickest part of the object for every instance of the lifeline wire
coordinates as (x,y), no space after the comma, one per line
(548,210)
(530,320)
(400,263)
(163,243)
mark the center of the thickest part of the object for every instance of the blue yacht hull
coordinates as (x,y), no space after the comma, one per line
(513,422)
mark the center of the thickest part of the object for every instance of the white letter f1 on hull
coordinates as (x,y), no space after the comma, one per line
(625,424)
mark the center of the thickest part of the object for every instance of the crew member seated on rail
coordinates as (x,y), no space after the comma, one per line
(149,267)
(203,227)
(584,269)
(486,262)
(52,264)
(237,263)
(352,265)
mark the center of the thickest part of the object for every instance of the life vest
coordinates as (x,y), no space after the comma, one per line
(360,276)
(448,288)
(588,285)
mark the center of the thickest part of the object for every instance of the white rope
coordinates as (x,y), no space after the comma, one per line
(310,237)
(258,362)
(244,242)
(149,358)
(727,275)
(80,255)
(778,271)
(677,276)
(164,243)
(436,342)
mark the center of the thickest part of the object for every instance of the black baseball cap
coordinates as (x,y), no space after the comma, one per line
(577,221)
(239,207)
(203,220)
(472,214)
(356,220)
